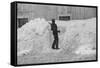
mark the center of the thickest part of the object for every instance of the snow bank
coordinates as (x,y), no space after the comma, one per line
(29,35)
(36,34)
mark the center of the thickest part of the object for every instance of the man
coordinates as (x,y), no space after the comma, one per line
(55,34)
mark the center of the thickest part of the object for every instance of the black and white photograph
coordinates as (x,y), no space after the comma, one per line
(48,33)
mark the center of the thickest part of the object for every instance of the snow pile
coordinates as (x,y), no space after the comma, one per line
(36,35)
(84,31)
(29,35)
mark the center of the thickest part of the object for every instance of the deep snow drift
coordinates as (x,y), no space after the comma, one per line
(77,38)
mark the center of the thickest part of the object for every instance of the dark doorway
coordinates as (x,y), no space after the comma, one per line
(21,21)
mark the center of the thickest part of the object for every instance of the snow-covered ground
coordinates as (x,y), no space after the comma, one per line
(77,39)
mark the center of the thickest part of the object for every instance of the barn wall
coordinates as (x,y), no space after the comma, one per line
(35,11)
(82,12)
(49,12)
(31,12)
